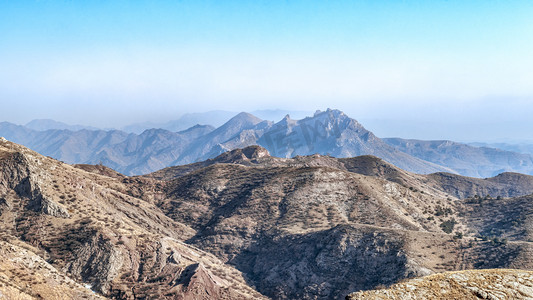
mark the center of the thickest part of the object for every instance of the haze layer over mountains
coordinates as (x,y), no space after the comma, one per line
(328,132)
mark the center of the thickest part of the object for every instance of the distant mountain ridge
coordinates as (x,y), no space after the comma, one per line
(212,118)
(215,118)
(519,147)
(48,124)
(465,159)
(329,132)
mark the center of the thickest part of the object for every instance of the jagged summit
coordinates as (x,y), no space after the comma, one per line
(283,124)
(332,132)
(250,152)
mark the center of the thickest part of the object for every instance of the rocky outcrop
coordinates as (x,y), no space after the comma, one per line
(46,206)
(474,285)
(97,261)
(20,175)
(200,283)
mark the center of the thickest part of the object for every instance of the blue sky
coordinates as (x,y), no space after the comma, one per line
(108,63)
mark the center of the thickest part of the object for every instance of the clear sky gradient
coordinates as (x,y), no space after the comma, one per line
(444,69)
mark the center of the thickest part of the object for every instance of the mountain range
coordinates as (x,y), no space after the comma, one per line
(248,225)
(329,132)
(214,118)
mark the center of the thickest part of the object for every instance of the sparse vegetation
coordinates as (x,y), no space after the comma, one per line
(448,225)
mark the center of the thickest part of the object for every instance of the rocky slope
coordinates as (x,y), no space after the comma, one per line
(26,275)
(482,284)
(333,133)
(503,185)
(309,227)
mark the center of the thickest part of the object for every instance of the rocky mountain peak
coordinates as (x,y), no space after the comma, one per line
(241,155)
(285,123)
(252,152)
(331,113)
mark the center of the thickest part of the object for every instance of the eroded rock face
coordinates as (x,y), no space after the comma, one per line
(46,206)
(15,170)
(179,275)
(326,264)
(201,284)
(473,284)
(3,204)
(18,175)
(97,262)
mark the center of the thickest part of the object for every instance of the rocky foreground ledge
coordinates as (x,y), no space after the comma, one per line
(472,284)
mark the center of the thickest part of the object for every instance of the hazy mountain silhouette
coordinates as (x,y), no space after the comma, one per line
(47,124)
(465,159)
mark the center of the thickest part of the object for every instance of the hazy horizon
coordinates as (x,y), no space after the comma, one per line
(382,128)
(432,70)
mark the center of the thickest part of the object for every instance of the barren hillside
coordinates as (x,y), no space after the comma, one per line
(245,225)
